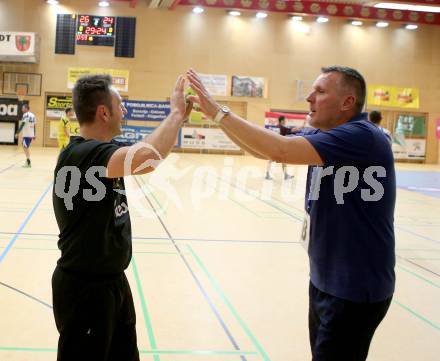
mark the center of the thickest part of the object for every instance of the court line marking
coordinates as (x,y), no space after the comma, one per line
(165,239)
(231,308)
(416,234)
(9,167)
(417,315)
(418,276)
(262,200)
(150,352)
(26,294)
(25,222)
(147,319)
(424,268)
(196,280)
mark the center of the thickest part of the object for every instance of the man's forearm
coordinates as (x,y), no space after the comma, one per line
(164,137)
(259,140)
(242,145)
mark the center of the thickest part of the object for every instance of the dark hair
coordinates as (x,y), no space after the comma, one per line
(281,118)
(352,79)
(375,116)
(91,91)
(68,109)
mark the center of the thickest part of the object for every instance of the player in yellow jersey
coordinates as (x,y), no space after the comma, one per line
(64,129)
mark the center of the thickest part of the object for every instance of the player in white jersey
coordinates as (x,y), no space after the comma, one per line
(27,125)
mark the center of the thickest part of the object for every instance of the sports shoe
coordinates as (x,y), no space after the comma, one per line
(288,176)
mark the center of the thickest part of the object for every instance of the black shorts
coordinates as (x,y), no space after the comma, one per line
(95,318)
(341,330)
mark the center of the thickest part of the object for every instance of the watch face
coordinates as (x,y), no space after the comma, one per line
(225,109)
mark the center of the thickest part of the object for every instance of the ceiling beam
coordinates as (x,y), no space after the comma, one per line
(346,9)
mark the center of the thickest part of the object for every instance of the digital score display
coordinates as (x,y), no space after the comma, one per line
(95,30)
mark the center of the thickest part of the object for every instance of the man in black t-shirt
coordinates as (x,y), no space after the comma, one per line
(92,301)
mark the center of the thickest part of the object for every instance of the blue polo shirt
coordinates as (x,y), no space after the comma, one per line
(350,200)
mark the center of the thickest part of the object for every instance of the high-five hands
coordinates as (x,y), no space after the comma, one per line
(178,102)
(207,104)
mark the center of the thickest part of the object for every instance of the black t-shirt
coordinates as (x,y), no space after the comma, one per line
(284,130)
(91,210)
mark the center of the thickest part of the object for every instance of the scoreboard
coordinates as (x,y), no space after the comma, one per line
(95,30)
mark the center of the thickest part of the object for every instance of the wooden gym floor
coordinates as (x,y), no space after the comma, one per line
(217,271)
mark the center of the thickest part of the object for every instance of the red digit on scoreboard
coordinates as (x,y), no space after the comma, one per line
(90,30)
(84,19)
(107,20)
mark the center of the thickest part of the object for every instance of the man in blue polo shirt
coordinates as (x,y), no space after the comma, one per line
(350,199)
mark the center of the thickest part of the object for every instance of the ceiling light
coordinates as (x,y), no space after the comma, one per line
(356,23)
(261,15)
(198,10)
(52,2)
(382,24)
(234,13)
(104,4)
(297,18)
(394,6)
(411,26)
(301,27)
(322,19)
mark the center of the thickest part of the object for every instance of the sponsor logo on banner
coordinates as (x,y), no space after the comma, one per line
(293,120)
(17,44)
(53,129)
(149,111)
(56,105)
(119,77)
(215,84)
(206,138)
(22,42)
(382,95)
(132,134)
(10,109)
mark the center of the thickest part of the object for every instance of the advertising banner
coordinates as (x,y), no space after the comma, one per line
(10,109)
(56,105)
(409,148)
(53,128)
(389,96)
(7,132)
(215,84)
(148,111)
(132,134)
(411,125)
(405,98)
(293,120)
(206,138)
(119,77)
(18,47)
(247,86)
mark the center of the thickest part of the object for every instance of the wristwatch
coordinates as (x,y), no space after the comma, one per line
(222,112)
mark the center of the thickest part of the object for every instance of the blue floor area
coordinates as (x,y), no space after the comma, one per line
(427,183)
